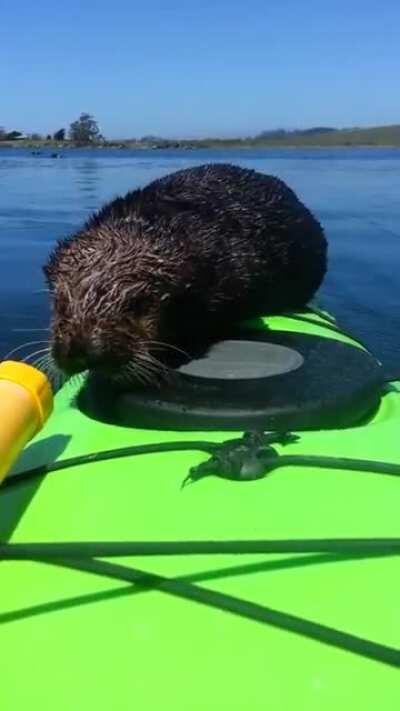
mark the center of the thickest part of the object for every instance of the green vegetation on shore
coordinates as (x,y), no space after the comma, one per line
(85,132)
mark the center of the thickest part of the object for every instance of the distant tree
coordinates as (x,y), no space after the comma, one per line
(59,135)
(85,130)
(48,137)
(35,136)
(3,133)
(14,135)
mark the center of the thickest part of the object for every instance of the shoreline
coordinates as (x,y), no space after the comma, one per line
(387,136)
(193,146)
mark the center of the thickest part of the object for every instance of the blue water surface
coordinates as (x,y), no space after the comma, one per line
(353,192)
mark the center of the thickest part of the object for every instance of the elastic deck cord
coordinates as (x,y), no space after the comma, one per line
(247,458)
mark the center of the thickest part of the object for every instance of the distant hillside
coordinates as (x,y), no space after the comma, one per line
(374,136)
(314,136)
(282,133)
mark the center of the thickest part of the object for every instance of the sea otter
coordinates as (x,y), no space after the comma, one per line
(175,264)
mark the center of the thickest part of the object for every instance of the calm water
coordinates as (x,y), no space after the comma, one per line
(354,192)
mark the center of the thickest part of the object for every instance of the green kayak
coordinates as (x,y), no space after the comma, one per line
(232,546)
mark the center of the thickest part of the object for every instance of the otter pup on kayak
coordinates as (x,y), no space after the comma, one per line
(177,262)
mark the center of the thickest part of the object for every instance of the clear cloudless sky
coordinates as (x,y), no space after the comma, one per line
(211,67)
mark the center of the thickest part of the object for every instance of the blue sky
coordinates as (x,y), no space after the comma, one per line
(219,67)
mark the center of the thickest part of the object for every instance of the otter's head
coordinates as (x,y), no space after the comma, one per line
(108,307)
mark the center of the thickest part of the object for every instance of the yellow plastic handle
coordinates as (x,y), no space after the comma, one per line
(26,401)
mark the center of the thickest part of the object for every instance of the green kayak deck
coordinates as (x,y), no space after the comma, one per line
(311,628)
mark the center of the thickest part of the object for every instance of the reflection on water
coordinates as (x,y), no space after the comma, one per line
(354,193)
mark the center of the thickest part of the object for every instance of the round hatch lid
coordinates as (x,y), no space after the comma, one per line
(272,380)
(243,360)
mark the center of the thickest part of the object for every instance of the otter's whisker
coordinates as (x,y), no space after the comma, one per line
(169,346)
(23,345)
(56,375)
(148,368)
(146,365)
(32,355)
(152,369)
(150,358)
(43,363)
(46,364)
(60,378)
(138,371)
(156,365)
(127,377)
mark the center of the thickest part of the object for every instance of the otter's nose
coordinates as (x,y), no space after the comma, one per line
(71,357)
